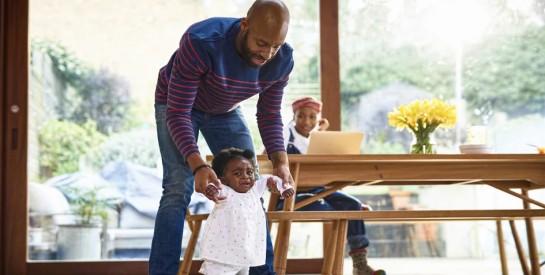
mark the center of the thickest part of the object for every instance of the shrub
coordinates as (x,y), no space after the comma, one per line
(137,146)
(62,143)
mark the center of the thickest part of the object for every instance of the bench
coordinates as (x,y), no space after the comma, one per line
(333,256)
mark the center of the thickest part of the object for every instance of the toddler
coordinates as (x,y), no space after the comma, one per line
(234,236)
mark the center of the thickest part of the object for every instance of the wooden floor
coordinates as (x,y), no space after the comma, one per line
(439,266)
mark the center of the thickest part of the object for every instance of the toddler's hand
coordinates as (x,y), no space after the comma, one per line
(212,193)
(287,193)
(271,184)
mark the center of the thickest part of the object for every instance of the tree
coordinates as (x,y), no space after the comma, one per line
(507,75)
(88,94)
(105,99)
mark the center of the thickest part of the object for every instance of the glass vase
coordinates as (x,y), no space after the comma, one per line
(422,145)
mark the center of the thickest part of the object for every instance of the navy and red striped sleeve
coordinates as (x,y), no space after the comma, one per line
(187,69)
(269,117)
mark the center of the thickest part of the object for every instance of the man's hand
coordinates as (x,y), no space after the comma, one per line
(203,176)
(281,169)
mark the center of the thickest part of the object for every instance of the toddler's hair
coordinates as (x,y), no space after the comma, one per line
(220,161)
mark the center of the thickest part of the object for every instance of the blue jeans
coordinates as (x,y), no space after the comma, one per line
(356,236)
(220,132)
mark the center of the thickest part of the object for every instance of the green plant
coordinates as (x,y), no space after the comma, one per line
(137,146)
(63,143)
(67,66)
(88,204)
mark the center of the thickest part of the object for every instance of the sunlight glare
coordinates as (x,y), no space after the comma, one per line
(455,22)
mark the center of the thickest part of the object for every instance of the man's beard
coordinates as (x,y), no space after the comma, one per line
(248,55)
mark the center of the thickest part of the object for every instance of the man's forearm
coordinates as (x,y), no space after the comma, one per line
(195,160)
(279,158)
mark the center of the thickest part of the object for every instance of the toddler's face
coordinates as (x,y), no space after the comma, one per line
(239,175)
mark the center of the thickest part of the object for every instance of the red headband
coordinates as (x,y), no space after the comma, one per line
(307,102)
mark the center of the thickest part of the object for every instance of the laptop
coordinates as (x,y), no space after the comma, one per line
(334,143)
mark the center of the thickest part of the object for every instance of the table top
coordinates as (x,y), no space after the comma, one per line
(508,170)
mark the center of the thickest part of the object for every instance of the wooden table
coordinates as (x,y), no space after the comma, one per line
(501,171)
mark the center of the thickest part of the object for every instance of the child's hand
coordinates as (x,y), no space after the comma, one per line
(287,193)
(212,193)
(271,184)
(323,124)
(274,182)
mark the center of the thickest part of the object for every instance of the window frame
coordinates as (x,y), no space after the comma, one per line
(14,58)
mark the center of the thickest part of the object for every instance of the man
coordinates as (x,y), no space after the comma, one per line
(219,63)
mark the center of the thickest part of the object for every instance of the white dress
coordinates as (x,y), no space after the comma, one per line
(234,232)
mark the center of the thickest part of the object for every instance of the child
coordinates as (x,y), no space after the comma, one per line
(234,235)
(306,118)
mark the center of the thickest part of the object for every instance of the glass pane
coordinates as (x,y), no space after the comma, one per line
(92,139)
(484,57)
(481,56)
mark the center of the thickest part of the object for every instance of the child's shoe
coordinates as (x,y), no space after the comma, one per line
(359,264)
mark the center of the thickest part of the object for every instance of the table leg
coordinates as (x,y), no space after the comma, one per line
(520,250)
(501,245)
(532,247)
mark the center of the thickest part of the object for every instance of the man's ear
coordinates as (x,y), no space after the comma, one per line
(244,23)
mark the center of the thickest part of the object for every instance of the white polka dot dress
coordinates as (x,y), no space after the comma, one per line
(235,230)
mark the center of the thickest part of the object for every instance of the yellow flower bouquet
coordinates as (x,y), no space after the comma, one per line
(422,117)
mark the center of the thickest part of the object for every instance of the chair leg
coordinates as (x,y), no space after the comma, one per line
(185,267)
(326,232)
(329,253)
(281,247)
(340,244)
(273,201)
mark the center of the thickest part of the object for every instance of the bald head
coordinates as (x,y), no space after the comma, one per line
(273,12)
(263,31)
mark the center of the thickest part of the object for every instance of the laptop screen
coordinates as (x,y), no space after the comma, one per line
(334,143)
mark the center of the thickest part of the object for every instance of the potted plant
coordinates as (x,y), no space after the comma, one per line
(82,239)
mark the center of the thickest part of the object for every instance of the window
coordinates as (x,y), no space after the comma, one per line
(482,56)
(93,70)
(386,47)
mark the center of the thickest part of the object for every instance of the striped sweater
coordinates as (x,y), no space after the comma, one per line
(207,74)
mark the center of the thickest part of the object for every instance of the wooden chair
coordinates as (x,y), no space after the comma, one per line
(333,234)
(195,223)
(334,252)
